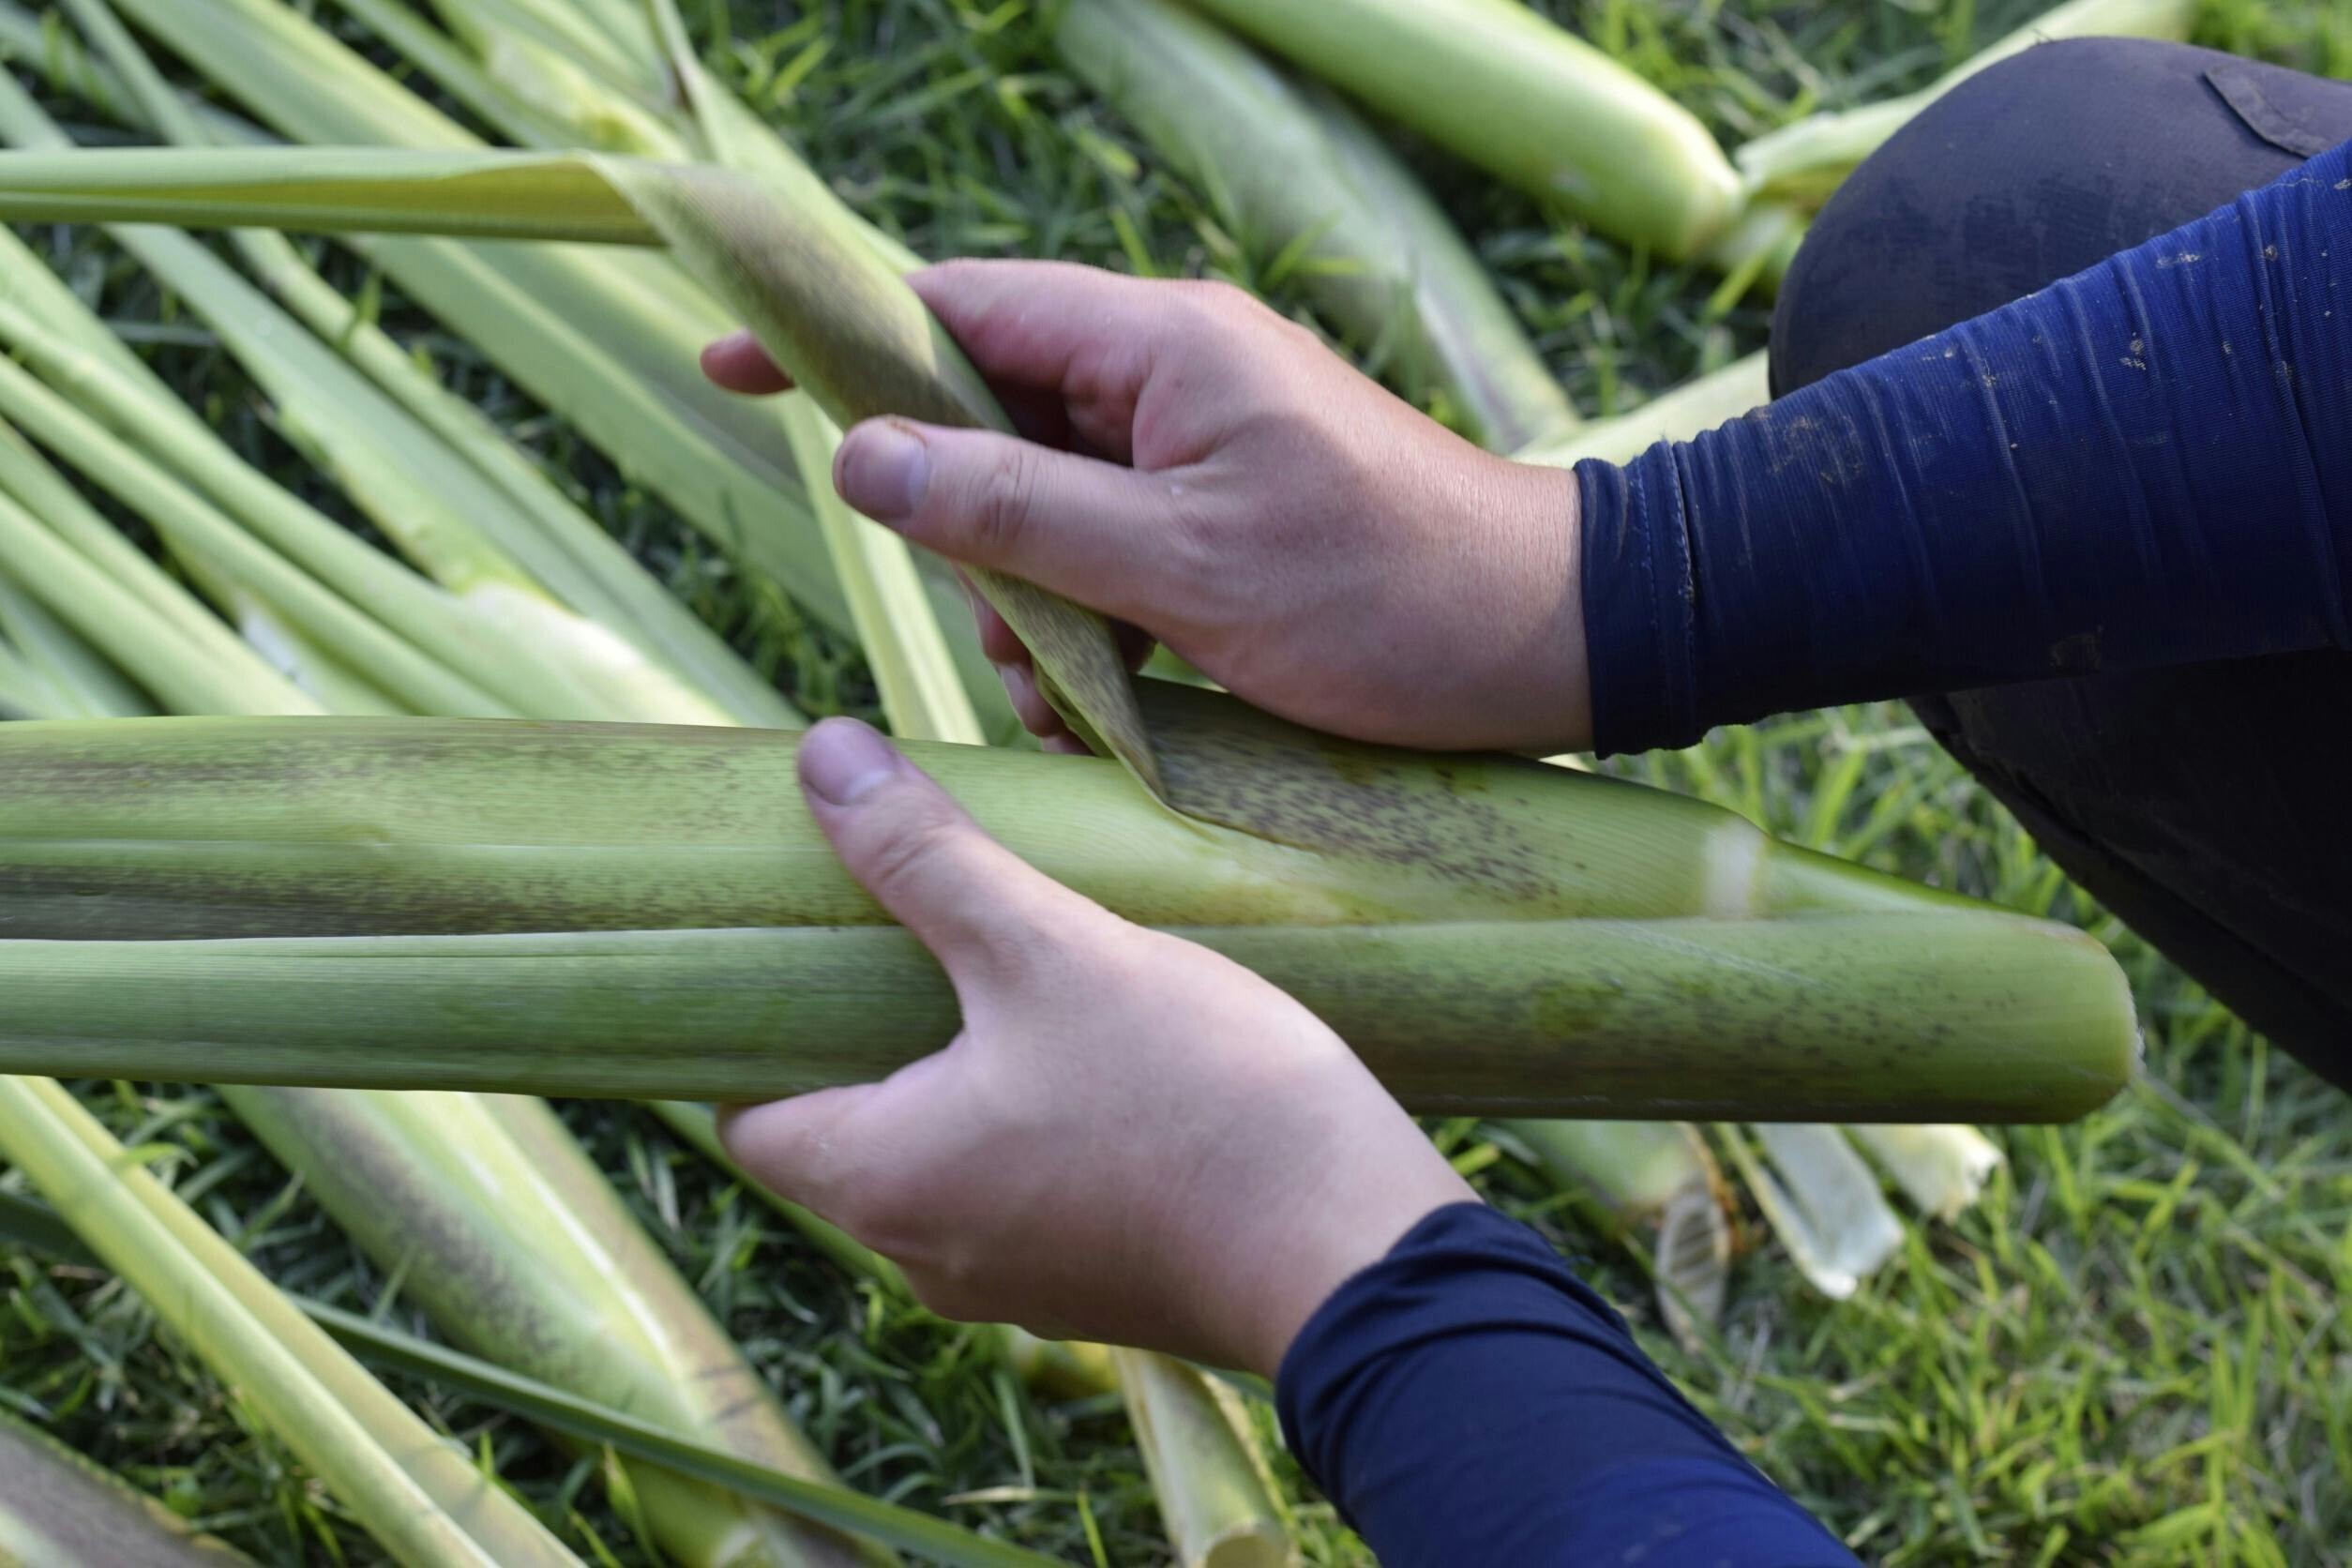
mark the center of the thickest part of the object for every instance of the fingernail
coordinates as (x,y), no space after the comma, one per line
(883,470)
(842,760)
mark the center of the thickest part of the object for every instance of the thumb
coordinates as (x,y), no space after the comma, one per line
(1106,535)
(977,905)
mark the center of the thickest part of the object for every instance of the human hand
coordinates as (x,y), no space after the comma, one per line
(1200,468)
(1131,1139)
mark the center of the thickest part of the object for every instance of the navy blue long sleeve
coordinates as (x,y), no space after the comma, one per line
(1466,1401)
(2148,464)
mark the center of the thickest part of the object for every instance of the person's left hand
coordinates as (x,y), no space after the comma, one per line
(1131,1139)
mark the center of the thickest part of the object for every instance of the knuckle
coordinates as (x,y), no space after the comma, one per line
(1004,501)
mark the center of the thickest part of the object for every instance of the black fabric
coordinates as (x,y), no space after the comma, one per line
(2203,803)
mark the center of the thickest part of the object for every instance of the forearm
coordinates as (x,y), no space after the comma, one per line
(1467,1400)
(2144,465)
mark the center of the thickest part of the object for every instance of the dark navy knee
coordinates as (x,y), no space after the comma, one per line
(2031,171)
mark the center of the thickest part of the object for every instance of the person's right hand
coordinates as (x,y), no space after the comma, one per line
(1204,470)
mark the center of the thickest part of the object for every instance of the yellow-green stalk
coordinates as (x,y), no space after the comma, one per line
(1802,164)
(1309,190)
(505,1232)
(1218,1503)
(1521,98)
(1700,404)
(414,1490)
(606,340)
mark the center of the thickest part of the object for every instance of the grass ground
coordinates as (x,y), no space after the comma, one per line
(2132,1351)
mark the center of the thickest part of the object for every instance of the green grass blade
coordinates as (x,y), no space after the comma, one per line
(935,1538)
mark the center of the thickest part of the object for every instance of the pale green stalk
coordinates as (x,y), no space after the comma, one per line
(498,631)
(150,651)
(58,1510)
(1802,164)
(1942,1169)
(789,260)
(1218,1502)
(1758,251)
(1508,979)
(60,675)
(194,528)
(430,471)
(232,680)
(1822,1203)
(1525,99)
(1309,190)
(26,693)
(416,1492)
(34,1225)
(914,673)
(1697,405)
(501,1229)
(610,342)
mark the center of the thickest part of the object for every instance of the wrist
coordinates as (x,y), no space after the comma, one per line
(1540,688)
(1347,1225)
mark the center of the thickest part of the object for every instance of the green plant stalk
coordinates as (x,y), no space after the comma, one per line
(695,1526)
(915,669)
(1524,99)
(451,513)
(58,1510)
(1890,1018)
(607,341)
(616,1321)
(414,1491)
(1309,188)
(318,673)
(196,530)
(576,827)
(37,1225)
(599,1313)
(152,654)
(780,251)
(209,670)
(491,630)
(1802,164)
(1756,254)
(1700,404)
(567,550)
(620,1323)
(1218,1502)
(63,668)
